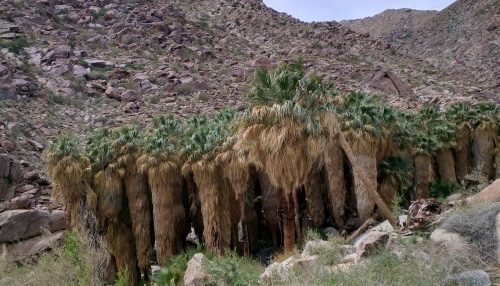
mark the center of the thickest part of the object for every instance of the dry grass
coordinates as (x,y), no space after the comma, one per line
(80,260)
(413,262)
(477,224)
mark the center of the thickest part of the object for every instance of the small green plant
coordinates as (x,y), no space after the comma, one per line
(442,190)
(122,278)
(74,252)
(396,205)
(15,46)
(187,89)
(231,269)
(174,268)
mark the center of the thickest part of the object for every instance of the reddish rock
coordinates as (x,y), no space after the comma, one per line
(129,96)
(21,224)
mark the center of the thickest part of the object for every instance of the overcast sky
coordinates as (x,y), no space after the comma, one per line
(327,10)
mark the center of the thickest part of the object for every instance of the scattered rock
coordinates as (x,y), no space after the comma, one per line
(448,238)
(129,95)
(278,270)
(194,275)
(369,242)
(19,203)
(21,224)
(36,245)
(474,278)
(490,194)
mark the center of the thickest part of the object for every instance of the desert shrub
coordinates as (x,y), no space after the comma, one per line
(475,181)
(477,224)
(187,89)
(15,46)
(232,269)
(442,189)
(418,263)
(174,268)
(80,260)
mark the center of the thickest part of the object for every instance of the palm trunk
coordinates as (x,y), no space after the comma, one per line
(363,178)
(215,207)
(136,189)
(422,175)
(461,152)
(365,203)
(334,167)
(169,214)
(446,166)
(314,200)
(120,243)
(288,223)
(484,148)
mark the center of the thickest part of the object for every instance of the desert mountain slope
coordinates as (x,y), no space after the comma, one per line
(462,39)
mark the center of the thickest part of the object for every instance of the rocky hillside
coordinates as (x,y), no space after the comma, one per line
(461,39)
(74,66)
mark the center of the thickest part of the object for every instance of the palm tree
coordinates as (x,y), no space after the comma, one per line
(203,143)
(394,174)
(424,144)
(162,164)
(486,124)
(444,133)
(126,143)
(286,139)
(461,115)
(112,210)
(66,166)
(365,122)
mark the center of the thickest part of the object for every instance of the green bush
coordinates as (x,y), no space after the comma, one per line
(15,46)
(442,190)
(174,268)
(232,269)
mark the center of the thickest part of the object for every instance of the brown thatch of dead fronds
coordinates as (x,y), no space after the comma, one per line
(108,185)
(136,190)
(334,173)
(120,242)
(169,212)
(215,205)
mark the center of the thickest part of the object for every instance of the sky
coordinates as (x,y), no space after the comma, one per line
(327,10)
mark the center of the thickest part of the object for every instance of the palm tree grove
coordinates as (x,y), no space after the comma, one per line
(249,142)
(300,158)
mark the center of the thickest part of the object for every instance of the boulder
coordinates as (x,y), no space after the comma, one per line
(4,166)
(474,278)
(19,203)
(313,245)
(331,232)
(369,242)
(278,270)
(490,194)
(194,275)
(8,92)
(36,245)
(448,238)
(21,224)
(129,96)
(98,63)
(387,82)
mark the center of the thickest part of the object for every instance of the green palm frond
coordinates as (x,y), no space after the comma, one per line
(460,112)
(65,146)
(487,113)
(399,168)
